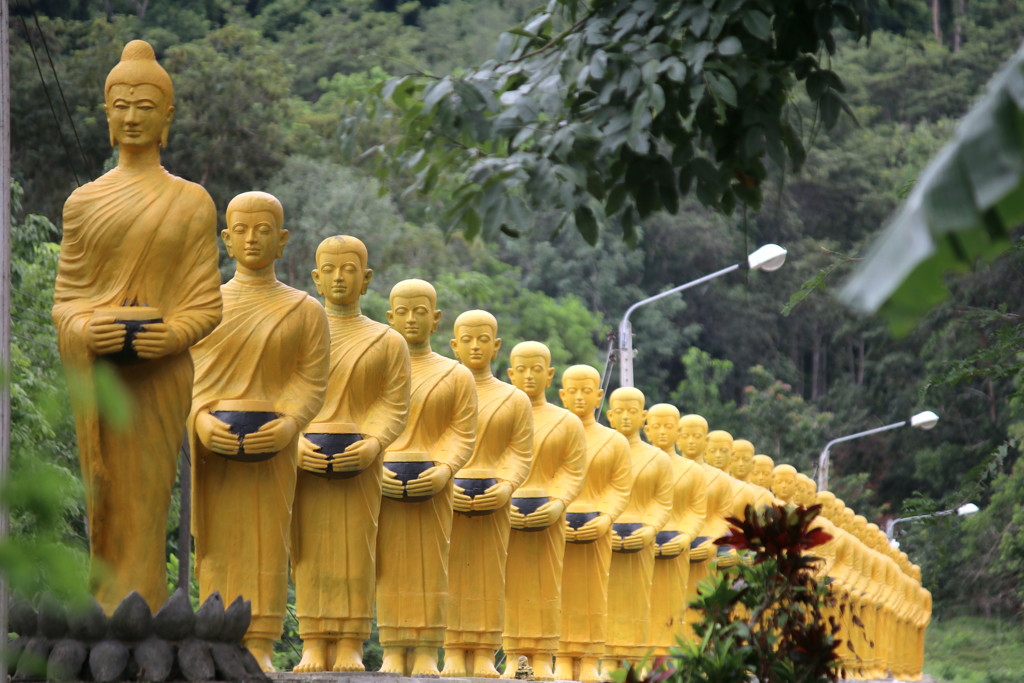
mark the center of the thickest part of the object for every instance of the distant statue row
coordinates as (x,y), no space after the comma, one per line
(470,513)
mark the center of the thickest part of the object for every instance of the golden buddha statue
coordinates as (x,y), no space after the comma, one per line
(536,548)
(136,235)
(633,535)
(337,496)
(784,483)
(689,510)
(483,489)
(272,348)
(588,550)
(761,469)
(719,454)
(415,522)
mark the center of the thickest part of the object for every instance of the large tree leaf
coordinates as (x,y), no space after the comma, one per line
(961,210)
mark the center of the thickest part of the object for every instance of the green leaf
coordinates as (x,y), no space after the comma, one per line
(435,93)
(722,88)
(830,104)
(730,46)
(586,224)
(758,24)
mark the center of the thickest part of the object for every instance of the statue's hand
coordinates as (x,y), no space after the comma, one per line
(391,486)
(518,518)
(494,497)
(430,482)
(215,435)
(156,340)
(640,538)
(310,457)
(460,501)
(104,336)
(546,515)
(358,456)
(616,541)
(674,547)
(703,552)
(594,529)
(271,437)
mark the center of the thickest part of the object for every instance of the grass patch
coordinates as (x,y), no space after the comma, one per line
(975,650)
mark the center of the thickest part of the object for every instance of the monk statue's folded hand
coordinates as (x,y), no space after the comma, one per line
(392,486)
(594,529)
(271,437)
(494,497)
(460,501)
(616,541)
(216,435)
(103,336)
(310,457)
(674,547)
(640,538)
(702,552)
(430,482)
(358,456)
(518,518)
(156,340)
(546,515)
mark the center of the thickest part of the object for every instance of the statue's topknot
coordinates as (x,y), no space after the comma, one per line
(138,65)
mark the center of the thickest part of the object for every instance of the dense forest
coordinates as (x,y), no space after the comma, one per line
(266,92)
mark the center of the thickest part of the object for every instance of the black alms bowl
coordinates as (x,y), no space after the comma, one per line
(473,488)
(575,520)
(331,445)
(527,505)
(127,355)
(625,530)
(406,472)
(664,537)
(243,423)
(697,541)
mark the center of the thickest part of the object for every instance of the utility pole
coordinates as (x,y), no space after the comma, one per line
(5,286)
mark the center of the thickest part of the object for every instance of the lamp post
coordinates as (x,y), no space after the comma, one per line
(963,511)
(924,420)
(768,258)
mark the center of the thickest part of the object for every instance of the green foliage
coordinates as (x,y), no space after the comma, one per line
(618,110)
(974,650)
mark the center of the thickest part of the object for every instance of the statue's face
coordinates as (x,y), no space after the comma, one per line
(626,416)
(340,277)
(475,346)
(137,115)
(761,474)
(784,485)
(692,439)
(253,238)
(414,317)
(806,494)
(531,374)
(662,430)
(719,453)
(580,396)
(742,460)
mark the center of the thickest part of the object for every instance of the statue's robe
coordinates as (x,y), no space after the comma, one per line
(334,524)
(606,486)
(146,237)
(629,589)
(479,550)
(533,583)
(413,538)
(668,588)
(272,345)
(719,506)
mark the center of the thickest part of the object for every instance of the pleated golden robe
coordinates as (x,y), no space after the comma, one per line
(504,443)
(146,237)
(606,486)
(272,345)
(668,588)
(413,539)
(533,580)
(719,497)
(334,524)
(629,588)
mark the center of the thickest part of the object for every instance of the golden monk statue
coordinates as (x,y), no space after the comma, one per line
(694,442)
(719,454)
(414,536)
(761,471)
(533,586)
(137,235)
(755,470)
(689,510)
(268,355)
(337,497)
(633,535)
(588,550)
(483,489)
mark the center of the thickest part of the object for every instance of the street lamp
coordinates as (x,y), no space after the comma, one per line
(768,258)
(925,420)
(963,511)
